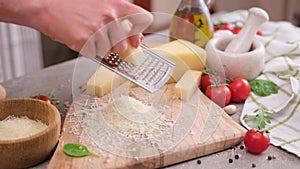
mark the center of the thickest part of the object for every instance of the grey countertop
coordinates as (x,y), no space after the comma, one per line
(66,79)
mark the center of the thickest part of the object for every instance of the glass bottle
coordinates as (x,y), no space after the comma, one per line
(192,22)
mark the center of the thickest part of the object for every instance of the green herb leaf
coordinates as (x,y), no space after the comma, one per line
(263,87)
(262,118)
(77,150)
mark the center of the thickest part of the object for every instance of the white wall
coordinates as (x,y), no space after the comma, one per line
(20,51)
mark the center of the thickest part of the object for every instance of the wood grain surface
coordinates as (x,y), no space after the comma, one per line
(198,127)
(30,150)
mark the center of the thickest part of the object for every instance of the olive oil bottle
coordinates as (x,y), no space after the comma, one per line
(192,22)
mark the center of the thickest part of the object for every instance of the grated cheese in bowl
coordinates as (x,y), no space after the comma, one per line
(13,127)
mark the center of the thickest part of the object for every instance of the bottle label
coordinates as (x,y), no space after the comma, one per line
(192,27)
(203,33)
(182,27)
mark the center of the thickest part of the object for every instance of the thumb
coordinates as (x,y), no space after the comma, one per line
(138,17)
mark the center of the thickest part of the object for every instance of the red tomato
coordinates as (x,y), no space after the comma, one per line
(44,98)
(240,90)
(259,32)
(223,26)
(226,27)
(256,142)
(219,94)
(206,81)
(236,30)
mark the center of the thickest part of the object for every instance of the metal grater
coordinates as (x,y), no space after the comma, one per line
(151,73)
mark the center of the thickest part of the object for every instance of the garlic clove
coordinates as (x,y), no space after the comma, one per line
(230,109)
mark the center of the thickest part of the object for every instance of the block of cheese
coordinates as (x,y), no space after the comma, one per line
(104,80)
(184,54)
(188,84)
(101,82)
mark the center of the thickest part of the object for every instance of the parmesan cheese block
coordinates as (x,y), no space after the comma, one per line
(104,80)
(188,84)
(184,54)
(192,55)
(101,82)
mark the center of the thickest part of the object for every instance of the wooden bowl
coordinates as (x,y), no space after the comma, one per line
(29,151)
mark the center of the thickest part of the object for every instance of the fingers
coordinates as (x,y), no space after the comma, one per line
(139,17)
(97,45)
(117,35)
(103,46)
(135,40)
(111,37)
(139,22)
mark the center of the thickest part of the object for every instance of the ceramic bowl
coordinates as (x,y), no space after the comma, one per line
(31,150)
(247,65)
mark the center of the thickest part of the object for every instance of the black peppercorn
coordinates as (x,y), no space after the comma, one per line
(198,162)
(230,160)
(269,157)
(242,147)
(253,165)
(236,156)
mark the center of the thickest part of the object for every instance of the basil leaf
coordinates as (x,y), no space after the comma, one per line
(263,87)
(77,150)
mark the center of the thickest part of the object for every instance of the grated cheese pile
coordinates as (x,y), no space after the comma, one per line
(19,127)
(130,116)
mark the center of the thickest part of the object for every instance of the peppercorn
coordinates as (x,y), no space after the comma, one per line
(236,156)
(230,160)
(253,165)
(269,157)
(198,162)
(242,147)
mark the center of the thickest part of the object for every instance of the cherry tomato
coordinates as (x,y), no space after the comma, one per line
(219,94)
(226,27)
(236,30)
(259,32)
(44,98)
(256,142)
(223,26)
(240,90)
(206,80)
(210,79)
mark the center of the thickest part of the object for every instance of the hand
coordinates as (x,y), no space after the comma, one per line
(91,26)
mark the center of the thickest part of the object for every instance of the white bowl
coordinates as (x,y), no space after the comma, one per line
(232,65)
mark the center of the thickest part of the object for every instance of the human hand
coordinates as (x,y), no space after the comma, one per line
(92,27)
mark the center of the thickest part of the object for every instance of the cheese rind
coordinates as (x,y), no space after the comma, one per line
(188,84)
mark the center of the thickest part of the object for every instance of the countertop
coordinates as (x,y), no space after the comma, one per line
(67,80)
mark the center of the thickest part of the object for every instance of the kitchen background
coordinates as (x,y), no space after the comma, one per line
(23,50)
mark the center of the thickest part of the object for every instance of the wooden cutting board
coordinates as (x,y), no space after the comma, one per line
(197,127)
